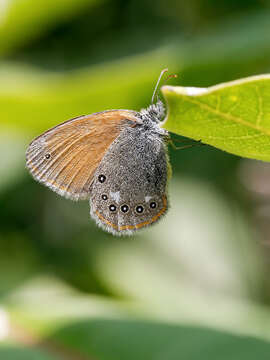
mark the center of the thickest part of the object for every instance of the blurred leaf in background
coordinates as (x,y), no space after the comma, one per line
(194,286)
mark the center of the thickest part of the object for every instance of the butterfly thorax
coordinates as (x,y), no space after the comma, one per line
(154,112)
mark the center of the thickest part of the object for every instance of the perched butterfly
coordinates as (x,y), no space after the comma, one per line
(116,158)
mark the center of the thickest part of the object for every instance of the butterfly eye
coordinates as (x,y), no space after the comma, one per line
(153,205)
(101,178)
(112,208)
(47,156)
(139,209)
(124,208)
(104,197)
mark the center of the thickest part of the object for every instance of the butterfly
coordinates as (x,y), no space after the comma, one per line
(117,159)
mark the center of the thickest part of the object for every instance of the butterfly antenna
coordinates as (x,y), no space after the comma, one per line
(157,84)
(156,87)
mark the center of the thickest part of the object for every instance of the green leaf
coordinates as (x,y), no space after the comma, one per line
(12,352)
(133,340)
(43,99)
(24,20)
(75,326)
(223,52)
(233,116)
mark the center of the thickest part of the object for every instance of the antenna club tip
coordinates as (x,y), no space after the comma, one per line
(171,76)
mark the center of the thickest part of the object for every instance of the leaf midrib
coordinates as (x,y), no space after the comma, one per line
(227,116)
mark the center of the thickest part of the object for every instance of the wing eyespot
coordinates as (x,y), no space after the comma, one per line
(101,178)
(104,197)
(139,209)
(65,157)
(153,205)
(112,208)
(124,208)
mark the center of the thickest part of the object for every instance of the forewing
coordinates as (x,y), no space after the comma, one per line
(65,157)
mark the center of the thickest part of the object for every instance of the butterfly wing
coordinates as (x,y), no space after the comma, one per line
(133,194)
(65,157)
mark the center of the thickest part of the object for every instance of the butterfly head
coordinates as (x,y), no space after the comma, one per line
(154,113)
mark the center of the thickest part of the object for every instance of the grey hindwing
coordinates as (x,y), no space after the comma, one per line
(129,186)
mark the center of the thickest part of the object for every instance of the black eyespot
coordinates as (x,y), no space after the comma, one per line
(47,156)
(112,207)
(153,205)
(104,197)
(139,209)
(101,178)
(124,208)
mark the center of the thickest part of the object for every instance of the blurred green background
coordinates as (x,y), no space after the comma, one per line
(194,286)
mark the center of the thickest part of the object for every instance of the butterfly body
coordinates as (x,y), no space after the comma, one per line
(117,159)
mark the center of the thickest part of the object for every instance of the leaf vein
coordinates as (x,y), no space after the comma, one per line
(228,116)
(259,117)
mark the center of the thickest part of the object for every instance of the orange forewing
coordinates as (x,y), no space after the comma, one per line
(66,156)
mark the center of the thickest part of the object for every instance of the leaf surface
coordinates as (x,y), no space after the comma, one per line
(233,116)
